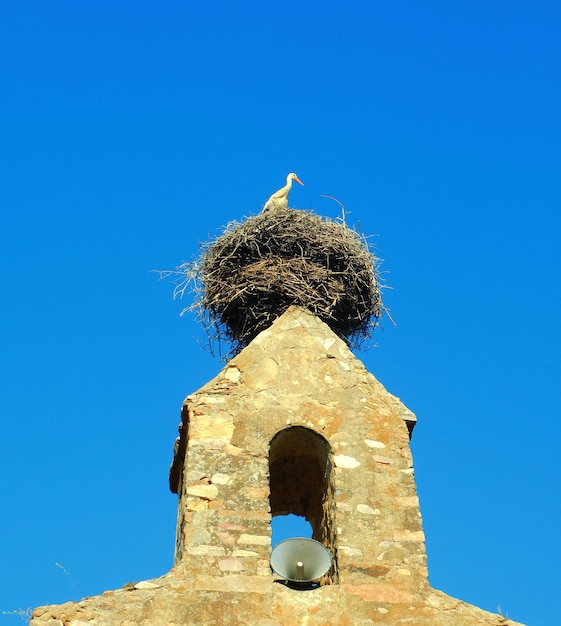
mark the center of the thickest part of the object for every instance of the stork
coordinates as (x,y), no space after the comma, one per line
(279,200)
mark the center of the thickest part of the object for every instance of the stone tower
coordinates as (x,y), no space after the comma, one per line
(293,424)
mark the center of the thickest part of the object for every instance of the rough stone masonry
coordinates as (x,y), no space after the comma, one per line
(293,424)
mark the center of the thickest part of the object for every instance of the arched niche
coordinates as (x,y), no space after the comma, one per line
(302,483)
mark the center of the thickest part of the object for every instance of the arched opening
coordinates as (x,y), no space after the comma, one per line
(302,484)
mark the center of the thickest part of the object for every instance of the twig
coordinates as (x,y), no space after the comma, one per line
(343,212)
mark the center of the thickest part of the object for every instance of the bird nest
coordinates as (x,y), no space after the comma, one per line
(255,270)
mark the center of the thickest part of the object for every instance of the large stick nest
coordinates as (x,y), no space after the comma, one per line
(256,269)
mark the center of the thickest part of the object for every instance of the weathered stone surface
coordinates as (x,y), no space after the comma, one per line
(240,600)
(293,424)
(146,584)
(258,540)
(344,461)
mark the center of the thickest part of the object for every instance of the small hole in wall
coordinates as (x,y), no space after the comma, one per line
(289,526)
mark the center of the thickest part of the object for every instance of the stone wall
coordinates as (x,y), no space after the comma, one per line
(357,489)
(299,374)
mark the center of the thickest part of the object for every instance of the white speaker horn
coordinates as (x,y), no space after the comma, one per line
(300,559)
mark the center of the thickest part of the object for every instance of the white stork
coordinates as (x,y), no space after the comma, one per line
(279,200)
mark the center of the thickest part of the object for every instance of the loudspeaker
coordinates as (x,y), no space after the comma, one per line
(301,559)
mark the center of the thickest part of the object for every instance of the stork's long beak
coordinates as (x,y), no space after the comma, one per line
(298,180)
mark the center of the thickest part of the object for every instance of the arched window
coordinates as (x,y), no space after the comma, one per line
(302,483)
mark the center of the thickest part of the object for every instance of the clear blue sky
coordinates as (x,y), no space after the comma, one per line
(131,131)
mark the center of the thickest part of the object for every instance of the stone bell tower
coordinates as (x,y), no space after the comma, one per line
(294,423)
